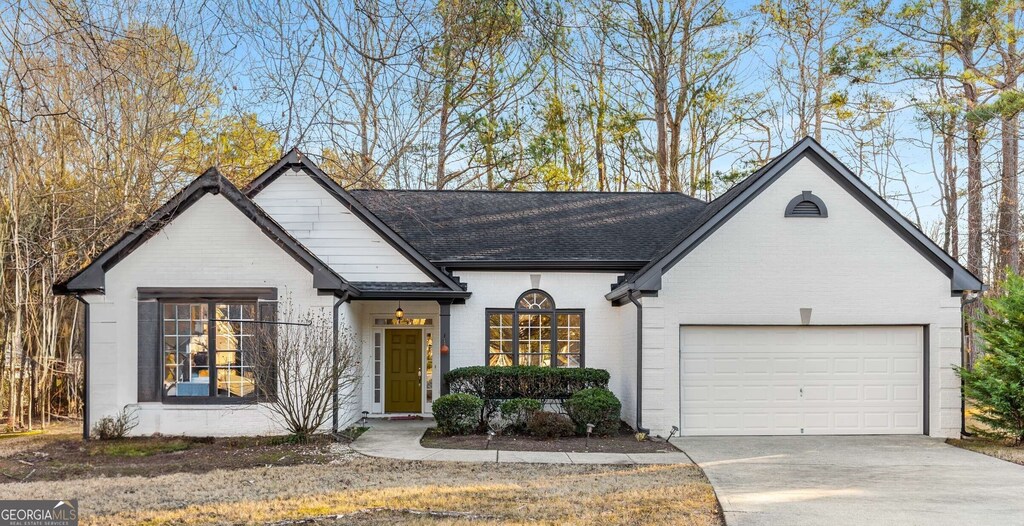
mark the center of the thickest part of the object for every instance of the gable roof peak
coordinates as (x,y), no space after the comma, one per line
(295,157)
(648,278)
(90,279)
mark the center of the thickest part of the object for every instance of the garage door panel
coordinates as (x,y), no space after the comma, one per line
(801,380)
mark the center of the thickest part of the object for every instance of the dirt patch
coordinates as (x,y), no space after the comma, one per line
(63,456)
(623,442)
(991,448)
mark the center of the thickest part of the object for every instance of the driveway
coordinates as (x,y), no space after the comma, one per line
(857,480)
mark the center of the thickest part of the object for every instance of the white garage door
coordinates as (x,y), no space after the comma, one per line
(801,380)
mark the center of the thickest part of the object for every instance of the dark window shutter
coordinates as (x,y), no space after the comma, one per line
(268,336)
(149,351)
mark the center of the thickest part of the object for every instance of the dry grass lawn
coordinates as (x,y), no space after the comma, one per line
(352,488)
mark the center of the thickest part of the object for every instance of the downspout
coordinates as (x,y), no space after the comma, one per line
(85,369)
(334,364)
(639,361)
(963,365)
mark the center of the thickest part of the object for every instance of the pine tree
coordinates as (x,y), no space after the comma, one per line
(996,383)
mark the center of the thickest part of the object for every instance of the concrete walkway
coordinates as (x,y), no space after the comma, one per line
(882,480)
(401,440)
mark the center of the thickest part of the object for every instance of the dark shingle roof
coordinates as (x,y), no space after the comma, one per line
(397,286)
(482,226)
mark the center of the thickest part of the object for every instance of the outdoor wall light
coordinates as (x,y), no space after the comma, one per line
(399,313)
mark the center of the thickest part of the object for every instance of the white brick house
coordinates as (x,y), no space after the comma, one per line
(799,302)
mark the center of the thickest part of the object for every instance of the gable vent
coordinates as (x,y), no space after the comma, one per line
(806,205)
(806,208)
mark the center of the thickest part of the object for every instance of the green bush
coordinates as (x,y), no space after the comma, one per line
(544,424)
(996,383)
(517,412)
(539,383)
(594,406)
(457,414)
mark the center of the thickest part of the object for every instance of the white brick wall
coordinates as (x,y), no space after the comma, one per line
(605,345)
(212,244)
(329,230)
(761,268)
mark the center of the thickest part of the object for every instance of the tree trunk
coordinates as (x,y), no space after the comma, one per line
(442,136)
(661,122)
(1008,212)
(974,195)
(951,241)
(599,126)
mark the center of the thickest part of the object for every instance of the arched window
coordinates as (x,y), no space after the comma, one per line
(806,205)
(535,333)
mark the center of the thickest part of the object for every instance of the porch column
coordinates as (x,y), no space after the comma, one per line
(446,325)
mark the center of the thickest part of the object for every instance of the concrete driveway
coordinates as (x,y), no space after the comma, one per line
(857,480)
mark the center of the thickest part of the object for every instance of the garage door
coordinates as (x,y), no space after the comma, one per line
(801,380)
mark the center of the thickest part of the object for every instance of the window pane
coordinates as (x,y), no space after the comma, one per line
(570,340)
(536,301)
(534,339)
(377,350)
(429,368)
(235,345)
(499,329)
(186,356)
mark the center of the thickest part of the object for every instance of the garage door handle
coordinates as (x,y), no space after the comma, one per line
(801,392)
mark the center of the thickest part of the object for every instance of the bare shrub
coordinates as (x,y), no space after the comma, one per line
(303,366)
(115,427)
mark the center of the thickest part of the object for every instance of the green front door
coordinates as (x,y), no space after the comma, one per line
(402,355)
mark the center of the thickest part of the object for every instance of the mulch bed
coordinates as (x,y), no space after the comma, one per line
(69,457)
(623,442)
(992,448)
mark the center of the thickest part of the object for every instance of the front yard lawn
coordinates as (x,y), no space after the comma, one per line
(338,486)
(623,442)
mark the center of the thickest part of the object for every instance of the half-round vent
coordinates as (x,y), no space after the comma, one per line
(806,205)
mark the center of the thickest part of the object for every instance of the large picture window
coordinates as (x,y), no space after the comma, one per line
(208,349)
(534,332)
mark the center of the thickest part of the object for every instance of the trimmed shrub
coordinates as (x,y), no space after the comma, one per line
(457,414)
(594,406)
(543,424)
(517,412)
(539,383)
